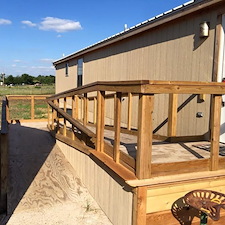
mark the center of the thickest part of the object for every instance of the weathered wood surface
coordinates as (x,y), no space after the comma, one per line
(43,185)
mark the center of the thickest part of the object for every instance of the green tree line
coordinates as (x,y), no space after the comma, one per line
(28,79)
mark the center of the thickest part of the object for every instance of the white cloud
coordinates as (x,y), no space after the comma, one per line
(59,36)
(28,23)
(5,22)
(17,60)
(47,60)
(59,25)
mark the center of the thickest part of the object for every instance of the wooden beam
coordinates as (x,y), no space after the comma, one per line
(139,206)
(100,121)
(144,142)
(95,111)
(129,115)
(117,113)
(215,131)
(172,115)
(32,107)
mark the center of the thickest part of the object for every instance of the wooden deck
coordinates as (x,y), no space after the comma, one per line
(43,187)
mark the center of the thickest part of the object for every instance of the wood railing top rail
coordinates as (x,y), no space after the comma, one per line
(15,97)
(147,87)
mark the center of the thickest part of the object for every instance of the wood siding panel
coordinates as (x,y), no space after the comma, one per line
(162,198)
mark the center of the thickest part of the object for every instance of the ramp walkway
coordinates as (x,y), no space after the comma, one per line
(43,186)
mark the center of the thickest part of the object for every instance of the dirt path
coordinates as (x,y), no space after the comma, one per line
(44,188)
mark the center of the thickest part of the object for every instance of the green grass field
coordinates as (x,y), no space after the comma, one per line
(27,90)
(21,109)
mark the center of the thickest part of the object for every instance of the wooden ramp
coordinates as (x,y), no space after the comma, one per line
(43,186)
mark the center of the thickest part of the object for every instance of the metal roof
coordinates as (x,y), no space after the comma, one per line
(144,23)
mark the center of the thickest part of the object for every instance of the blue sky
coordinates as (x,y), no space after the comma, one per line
(33,33)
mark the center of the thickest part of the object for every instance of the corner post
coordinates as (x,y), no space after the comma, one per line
(215,132)
(144,142)
(32,107)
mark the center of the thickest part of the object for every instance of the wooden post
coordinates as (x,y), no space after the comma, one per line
(139,206)
(117,113)
(95,111)
(76,107)
(144,142)
(85,109)
(100,121)
(129,116)
(48,116)
(64,124)
(53,120)
(172,115)
(73,115)
(57,116)
(215,132)
(32,107)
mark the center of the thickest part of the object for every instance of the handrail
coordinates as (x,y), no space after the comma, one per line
(4,158)
(146,91)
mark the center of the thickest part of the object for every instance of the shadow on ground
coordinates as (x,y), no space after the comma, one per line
(28,150)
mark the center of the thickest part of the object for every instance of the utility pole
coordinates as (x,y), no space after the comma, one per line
(3,78)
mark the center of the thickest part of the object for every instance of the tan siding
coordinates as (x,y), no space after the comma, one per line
(172,51)
(110,195)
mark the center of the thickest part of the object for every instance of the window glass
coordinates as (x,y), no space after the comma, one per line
(79,72)
(66,69)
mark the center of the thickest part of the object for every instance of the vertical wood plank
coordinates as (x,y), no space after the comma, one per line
(53,120)
(215,132)
(129,116)
(117,112)
(76,107)
(32,107)
(95,111)
(172,115)
(64,120)
(48,116)
(73,115)
(85,109)
(144,142)
(57,117)
(100,121)
(139,206)
(114,120)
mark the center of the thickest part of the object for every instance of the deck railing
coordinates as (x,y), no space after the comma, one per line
(70,120)
(28,104)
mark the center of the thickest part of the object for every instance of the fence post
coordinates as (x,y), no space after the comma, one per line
(100,121)
(117,122)
(215,132)
(144,142)
(85,109)
(32,107)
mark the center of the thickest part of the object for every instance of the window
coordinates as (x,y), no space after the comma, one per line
(66,69)
(79,72)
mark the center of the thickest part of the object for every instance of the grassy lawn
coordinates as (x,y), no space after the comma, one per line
(27,90)
(21,109)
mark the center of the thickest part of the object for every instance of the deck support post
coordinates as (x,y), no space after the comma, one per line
(100,121)
(144,142)
(172,115)
(117,122)
(139,205)
(215,132)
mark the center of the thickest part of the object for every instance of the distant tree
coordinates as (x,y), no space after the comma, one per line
(26,79)
(9,80)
